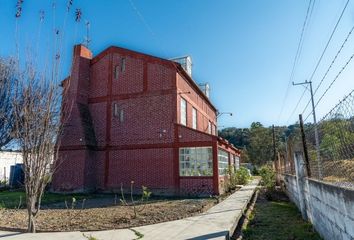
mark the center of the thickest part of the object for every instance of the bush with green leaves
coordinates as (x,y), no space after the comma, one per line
(268,176)
(237,177)
(242,176)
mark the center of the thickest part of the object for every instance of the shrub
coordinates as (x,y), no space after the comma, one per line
(255,171)
(237,177)
(268,177)
(242,176)
(133,204)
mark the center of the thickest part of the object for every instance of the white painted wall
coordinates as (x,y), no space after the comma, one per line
(8,159)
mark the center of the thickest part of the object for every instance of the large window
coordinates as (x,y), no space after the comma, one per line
(196,161)
(194,118)
(183,112)
(223,161)
(237,162)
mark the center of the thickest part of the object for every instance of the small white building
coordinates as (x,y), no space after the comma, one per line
(8,159)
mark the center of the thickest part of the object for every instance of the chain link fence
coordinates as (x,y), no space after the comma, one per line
(330,145)
(286,164)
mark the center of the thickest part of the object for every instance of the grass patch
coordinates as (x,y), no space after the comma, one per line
(14,199)
(278,221)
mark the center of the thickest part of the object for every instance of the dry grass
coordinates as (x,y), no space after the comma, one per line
(339,171)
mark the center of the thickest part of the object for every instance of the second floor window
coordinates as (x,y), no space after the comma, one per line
(209,127)
(122,64)
(183,112)
(119,68)
(118,112)
(194,118)
(116,72)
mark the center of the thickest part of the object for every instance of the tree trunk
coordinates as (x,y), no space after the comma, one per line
(31,227)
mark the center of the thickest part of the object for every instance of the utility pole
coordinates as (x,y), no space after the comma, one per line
(275,163)
(274,149)
(304,146)
(315,124)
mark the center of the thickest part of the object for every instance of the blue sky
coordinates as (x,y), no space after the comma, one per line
(243,49)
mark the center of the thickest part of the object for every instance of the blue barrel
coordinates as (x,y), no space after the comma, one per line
(16,175)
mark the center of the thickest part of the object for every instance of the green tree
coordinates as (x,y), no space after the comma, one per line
(260,149)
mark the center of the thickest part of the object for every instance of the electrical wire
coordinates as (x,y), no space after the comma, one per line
(325,49)
(298,52)
(331,84)
(329,40)
(297,105)
(330,66)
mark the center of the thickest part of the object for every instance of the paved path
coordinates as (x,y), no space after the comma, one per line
(217,223)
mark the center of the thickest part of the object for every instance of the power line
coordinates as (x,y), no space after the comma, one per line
(330,66)
(297,105)
(331,84)
(325,49)
(298,51)
(329,40)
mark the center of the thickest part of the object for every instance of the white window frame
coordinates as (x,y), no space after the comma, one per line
(209,127)
(223,161)
(194,118)
(183,112)
(237,162)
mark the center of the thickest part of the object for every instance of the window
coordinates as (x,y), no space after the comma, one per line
(194,118)
(209,127)
(118,113)
(232,163)
(237,162)
(116,72)
(213,129)
(183,112)
(223,161)
(122,65)
(196,161)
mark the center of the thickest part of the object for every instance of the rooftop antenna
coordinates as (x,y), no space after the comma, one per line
(87,38)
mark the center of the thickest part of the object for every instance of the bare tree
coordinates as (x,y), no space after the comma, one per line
(38,122)
(7,80)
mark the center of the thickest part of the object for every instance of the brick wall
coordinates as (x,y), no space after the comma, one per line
(70,172)
(147,120)
(152,168)
(101,150)
(196,186)
(205,112)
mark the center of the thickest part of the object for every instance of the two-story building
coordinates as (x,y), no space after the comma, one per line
(136,117)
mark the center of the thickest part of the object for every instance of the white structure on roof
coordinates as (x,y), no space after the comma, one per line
(8,159)
(186,63)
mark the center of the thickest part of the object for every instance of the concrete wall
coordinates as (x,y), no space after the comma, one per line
(328,207)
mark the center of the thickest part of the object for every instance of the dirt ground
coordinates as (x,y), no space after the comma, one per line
(88,218)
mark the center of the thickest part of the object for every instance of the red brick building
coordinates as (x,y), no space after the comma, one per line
(135,117)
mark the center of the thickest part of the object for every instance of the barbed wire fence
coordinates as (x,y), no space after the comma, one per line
(286,156)
(332,159)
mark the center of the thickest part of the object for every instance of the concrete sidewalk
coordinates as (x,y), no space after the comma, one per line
(217,223)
